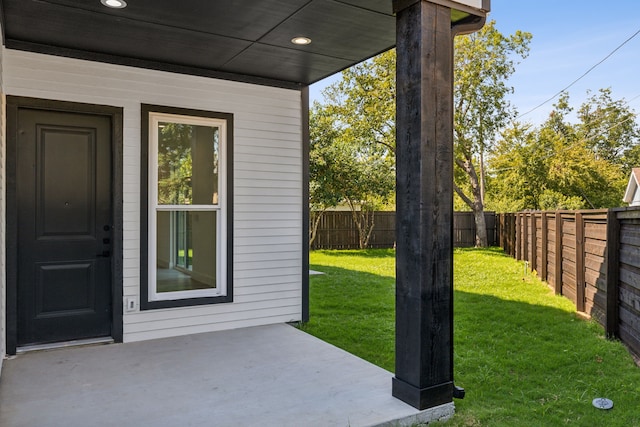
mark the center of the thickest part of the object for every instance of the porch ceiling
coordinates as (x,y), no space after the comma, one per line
(247,40)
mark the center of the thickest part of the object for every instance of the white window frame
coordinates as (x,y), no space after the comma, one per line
(221,208)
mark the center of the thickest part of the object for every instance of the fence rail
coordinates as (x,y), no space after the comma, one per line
(590,257)
(337,230)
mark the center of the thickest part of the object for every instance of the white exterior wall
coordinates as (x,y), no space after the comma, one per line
(267,182)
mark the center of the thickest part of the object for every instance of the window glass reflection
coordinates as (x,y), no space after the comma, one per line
(188,158)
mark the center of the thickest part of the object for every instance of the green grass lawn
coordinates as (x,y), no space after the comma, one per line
(522,355)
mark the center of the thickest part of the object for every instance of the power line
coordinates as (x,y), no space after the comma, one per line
(615,125)
(633,99)
(581,77)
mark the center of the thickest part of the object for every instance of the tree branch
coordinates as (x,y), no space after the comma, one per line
(389,146)
(461,164)
(464,198)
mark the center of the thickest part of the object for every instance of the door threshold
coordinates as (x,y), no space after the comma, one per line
(64,344)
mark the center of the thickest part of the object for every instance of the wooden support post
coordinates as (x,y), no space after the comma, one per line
(580,280)
(613,273)
(544,234)
(558,272)
(424,212)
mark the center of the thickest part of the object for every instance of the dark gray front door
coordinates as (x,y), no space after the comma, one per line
(64,219)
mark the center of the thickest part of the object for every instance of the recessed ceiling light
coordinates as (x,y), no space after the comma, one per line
(114,4)
(301,40)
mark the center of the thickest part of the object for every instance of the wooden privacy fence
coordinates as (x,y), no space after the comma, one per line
(337,230)
(591,257)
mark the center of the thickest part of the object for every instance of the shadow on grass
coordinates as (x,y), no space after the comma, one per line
(369,253)
(384,253)
(520,363)
(525,364)
(354,310)
(492,251)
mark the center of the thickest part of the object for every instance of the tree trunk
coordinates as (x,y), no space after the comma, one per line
(364,220)
(476,204)
(482,177)
(316,216)
(481,229)
(370,224)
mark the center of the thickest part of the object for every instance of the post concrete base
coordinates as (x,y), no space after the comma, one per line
(437,413)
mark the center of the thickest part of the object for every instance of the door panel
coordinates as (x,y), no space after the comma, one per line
(63,192)
(63,289)
(66,196)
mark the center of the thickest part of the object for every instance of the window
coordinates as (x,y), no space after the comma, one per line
(186,203)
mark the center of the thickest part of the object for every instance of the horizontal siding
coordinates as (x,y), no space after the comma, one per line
(255,282)
(219,325)
(267,181)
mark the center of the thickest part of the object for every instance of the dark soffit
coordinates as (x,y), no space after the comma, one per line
(246,40)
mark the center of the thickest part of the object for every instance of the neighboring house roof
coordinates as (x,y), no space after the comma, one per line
(632,187)
(245,40)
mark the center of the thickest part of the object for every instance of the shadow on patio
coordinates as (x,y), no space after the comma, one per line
(269,376)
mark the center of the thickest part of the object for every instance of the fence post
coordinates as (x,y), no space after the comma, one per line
(613,273)
(525,237)
(513,235)
(518,236)
(558,272)
(580,281)
(500,230)
(544,246)
(533,256)
(506,234)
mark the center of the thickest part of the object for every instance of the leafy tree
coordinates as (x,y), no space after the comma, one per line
(344,170)
(353,144)
(483,62)
(517,171)
(561,165)
(609,128)
(363,102)
(174,164)
(362,107)
(371,183)
(324,188)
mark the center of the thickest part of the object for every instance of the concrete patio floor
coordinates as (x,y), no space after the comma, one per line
(267,376)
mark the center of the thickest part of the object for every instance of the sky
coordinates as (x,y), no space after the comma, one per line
(569,37)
